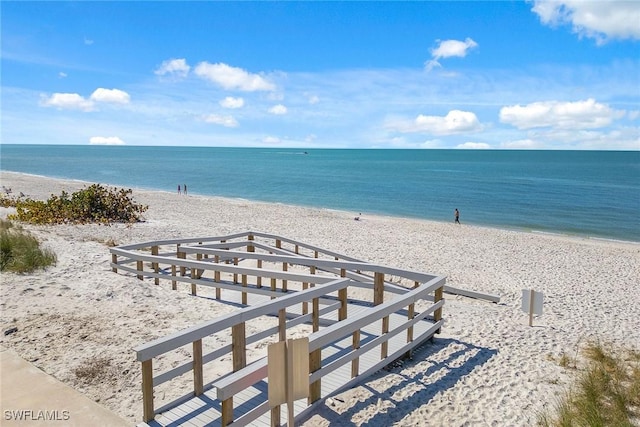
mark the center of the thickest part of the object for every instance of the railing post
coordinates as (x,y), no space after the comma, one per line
(183,269)
(154,265)
(378,298)
(285,267)
(259,278)
(305,304)
(239,342)
(250,247)
(315,357)
(235,275)
(410,314)
(342,295)
(198,380)
(216,276)
(273,286)
(282,324)
(227,412)
(195,274)
(244,285)
(378,288)
(139,267)
(355,363)
(174,285)
(437,314)
(147,390)
(114,261)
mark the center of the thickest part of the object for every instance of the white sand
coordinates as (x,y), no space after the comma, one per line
(487,367)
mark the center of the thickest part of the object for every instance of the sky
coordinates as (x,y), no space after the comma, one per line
(417,75)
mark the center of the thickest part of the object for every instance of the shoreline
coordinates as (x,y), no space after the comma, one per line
(487,367)
(392,217)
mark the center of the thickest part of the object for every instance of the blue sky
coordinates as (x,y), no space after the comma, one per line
(497,75)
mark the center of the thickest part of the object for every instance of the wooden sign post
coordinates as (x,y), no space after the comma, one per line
(532,302)
(288,373)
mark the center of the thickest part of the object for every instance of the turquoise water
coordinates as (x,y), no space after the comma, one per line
(587,193)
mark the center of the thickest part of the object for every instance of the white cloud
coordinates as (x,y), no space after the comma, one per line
(105,140)
(62,74)
(449,48)
(561,115)
(226,121)
(313,99)
(278,109)
(113,96)
(231,102)
(432,143)
(474,146)
(88,42)
(67,101)
(454,122)
(232,78)
(600,20)
(522,144)
(74,101)
(271,140)
(174,67)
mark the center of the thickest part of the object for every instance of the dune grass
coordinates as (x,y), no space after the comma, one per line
(20,252)
(606,391)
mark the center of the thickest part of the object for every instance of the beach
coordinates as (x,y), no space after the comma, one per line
(486,367)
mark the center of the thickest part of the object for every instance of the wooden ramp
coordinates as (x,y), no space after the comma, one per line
(205,410)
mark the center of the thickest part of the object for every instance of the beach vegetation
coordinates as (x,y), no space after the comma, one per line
(20,252)
(606,391)
(94,204)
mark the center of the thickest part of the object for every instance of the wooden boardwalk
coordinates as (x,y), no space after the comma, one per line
(205,410)
(360,322)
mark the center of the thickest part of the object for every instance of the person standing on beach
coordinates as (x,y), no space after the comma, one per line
(178,188)
(185,189)
(456,213)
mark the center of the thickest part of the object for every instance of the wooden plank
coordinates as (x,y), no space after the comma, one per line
(277,367)
(472,294)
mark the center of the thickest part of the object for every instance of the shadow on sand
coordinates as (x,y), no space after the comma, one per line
(449,369)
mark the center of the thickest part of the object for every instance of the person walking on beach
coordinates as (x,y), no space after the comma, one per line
(456,213)
(185,189)
(178,188)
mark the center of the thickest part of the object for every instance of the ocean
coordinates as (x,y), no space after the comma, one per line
(582,193)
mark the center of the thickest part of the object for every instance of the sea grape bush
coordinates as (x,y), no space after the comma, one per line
(95,204)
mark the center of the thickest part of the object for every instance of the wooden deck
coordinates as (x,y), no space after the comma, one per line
(205,410)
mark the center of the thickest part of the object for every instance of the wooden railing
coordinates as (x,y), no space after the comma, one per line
(204,263)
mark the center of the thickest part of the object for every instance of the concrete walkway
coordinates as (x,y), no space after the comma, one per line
(30,397)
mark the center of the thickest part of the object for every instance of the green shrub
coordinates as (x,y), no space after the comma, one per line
(606,392)
(95,204)
(20,252)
